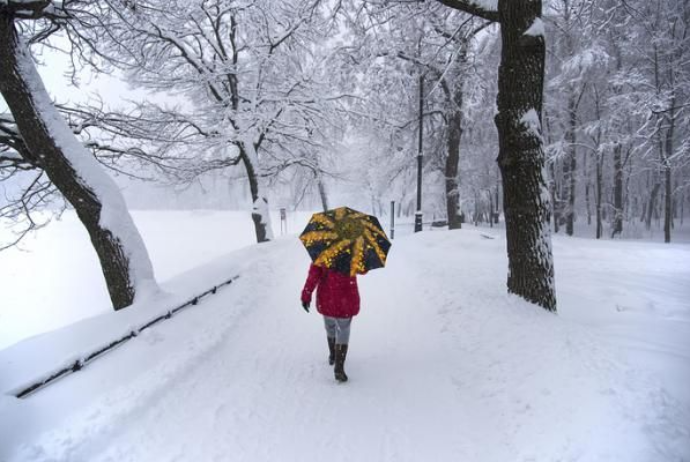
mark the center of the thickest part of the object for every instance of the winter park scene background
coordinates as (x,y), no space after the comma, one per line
(528,160)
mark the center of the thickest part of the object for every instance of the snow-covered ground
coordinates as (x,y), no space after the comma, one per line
(443,365)
(53,278)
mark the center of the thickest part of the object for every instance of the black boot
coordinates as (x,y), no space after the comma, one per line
(339,370)
(331,350)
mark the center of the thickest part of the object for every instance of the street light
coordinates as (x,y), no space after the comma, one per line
(418,213)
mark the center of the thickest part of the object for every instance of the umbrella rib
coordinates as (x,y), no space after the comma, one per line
(311,236)
(357,256)
(332,251)
(375,229)
(323,220)
(375,246)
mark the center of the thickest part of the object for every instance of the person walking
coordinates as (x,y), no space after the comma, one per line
(337,300)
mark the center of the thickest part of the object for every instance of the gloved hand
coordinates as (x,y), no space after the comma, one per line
(305,305)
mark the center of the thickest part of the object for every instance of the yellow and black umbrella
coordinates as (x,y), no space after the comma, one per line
(346,240)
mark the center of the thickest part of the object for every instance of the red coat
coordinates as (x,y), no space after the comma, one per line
(337,295)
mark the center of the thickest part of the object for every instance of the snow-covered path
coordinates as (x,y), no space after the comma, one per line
(443,365)
(267,393)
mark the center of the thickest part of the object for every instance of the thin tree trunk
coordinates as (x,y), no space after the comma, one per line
(666,162)
(599,193)
(668,204)
(75,172)
(617,190)
(452,163)
(651,205)
(491,210)
(521,155)
(571,163)
(553,185)
(588,186)
(260,211)
(553,188)
(498,181)
(322,193)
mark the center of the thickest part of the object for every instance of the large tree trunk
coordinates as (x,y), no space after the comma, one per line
(74,171)
(452,163)
(521,154)
(617,190)
(257,188)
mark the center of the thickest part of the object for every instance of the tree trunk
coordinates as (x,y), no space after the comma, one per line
(322,193)
(651,205)
(553,189)
(75,172)
(668,210)
(571,163)
(521,155)
(260,211)
(617,190)
(666,163)
(498,180)
(599,193)
(452,163)
(491,210)
(588,187)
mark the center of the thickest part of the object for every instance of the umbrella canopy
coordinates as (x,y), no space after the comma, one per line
(346,240)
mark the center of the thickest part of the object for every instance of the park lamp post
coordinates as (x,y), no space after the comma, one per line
(418,213)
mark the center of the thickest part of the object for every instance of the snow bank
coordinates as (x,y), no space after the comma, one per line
(152,359)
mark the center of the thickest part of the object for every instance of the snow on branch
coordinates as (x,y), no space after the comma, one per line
(536,29)
(24,9)
(486,9)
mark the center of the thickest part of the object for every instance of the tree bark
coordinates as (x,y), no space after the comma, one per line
(452,163)
(553,190)
(599,193)
(617,190)
(588,187)
(260,216)
(570,163)
(666,163)
(668,210)
(651,205)
(74,171)
(495,212)
(322,193)
(521,155)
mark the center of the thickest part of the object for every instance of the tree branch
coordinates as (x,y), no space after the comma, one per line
(473,8)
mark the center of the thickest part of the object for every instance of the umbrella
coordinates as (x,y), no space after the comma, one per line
(346,240)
